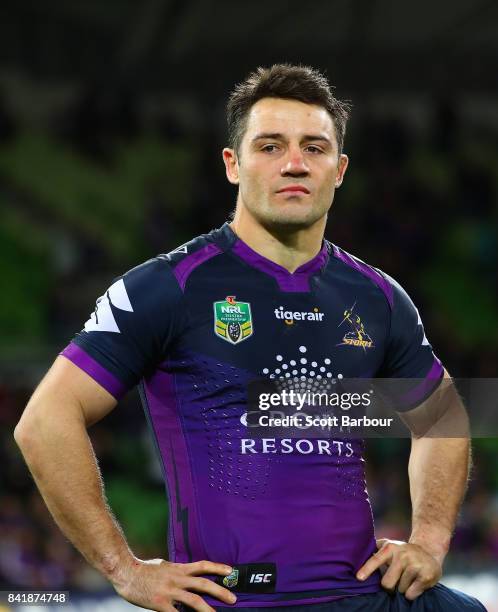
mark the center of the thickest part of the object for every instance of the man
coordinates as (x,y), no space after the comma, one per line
(271,522)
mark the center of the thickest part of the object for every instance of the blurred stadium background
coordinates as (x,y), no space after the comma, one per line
(111,126)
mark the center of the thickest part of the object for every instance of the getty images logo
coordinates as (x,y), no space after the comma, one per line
(289,316)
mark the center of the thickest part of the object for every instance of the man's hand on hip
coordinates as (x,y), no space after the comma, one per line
(157,584)
(410,568)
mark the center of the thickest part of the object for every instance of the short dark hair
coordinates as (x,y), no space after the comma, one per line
(294,82)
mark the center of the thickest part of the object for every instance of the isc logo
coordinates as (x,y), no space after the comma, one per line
(260,578)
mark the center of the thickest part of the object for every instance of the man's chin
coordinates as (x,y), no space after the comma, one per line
(290,221)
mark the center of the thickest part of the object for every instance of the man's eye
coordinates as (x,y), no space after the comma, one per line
(314,149)
(269,148)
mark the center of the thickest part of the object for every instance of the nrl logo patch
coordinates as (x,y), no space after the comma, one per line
(232,320)
(232,579)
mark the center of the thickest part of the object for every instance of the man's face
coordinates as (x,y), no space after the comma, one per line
(288,164)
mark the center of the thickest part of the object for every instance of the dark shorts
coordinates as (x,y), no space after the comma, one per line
(437,599)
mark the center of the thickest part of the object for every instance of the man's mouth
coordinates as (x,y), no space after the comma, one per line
(294,189)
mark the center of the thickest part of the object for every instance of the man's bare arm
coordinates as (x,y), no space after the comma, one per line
(52,435)
(53,439)
(438,472)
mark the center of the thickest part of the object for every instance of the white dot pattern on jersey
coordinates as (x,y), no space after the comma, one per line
(246,476)
(315,381)
(320,378)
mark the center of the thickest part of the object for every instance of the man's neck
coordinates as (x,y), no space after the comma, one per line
(288,248)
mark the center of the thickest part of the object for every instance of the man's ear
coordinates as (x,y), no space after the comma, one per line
(341,171)
(231,165)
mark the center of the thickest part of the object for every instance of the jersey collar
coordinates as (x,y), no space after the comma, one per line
(295,282)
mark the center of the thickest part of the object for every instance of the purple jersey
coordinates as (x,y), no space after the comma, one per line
(192,328)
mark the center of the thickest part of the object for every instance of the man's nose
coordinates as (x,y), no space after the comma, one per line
(295,164)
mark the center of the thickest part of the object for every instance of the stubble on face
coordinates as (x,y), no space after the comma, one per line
(288,143)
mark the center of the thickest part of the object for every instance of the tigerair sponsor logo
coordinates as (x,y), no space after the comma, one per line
(356,336)
(289,316)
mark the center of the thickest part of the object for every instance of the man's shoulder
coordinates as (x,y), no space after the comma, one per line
(183,260)
(193,248)
(173,265)
(357,266)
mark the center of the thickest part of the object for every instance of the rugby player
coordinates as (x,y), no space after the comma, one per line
(254,523)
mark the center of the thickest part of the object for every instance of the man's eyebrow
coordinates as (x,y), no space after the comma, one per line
(279,136)
(310,137)
(269,136)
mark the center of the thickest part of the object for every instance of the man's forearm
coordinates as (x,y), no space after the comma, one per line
(438,471)
(61,459)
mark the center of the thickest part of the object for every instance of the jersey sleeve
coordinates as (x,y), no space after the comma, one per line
(409,354)
(131,328)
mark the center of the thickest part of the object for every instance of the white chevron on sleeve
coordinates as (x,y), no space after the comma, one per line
(102,318)
(425,342)
(119,297)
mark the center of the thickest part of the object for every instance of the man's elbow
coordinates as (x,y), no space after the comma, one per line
(38,424)
(20,434)
(25,432)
